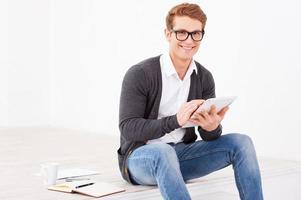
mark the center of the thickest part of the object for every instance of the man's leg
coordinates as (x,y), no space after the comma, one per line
(201,158)
(157,164)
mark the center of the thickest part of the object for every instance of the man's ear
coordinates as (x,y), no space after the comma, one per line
(167,34)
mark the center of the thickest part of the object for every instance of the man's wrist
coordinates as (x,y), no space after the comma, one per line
(178,125)
(210,129)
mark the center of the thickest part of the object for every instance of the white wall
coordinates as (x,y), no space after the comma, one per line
(94,44)
(24,57)
(272,58)
(63,61)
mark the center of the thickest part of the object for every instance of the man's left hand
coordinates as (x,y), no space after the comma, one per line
(209,120)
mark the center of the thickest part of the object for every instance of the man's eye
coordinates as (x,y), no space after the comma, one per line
(182,32)
(197,33)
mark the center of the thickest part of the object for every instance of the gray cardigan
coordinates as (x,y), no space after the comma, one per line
(139,106)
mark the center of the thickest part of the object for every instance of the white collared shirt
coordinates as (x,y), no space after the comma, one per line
(174,93)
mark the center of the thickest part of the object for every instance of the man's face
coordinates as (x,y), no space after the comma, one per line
(183,50)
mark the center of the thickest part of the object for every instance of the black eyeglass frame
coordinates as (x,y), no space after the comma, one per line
(189,34)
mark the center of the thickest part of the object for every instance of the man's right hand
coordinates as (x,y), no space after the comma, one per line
(187,109)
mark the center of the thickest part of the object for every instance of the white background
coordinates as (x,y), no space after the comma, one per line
(62,63)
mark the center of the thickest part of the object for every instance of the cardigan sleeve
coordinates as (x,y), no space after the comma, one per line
(133,124)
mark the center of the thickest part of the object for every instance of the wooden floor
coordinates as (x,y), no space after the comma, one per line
(23,150)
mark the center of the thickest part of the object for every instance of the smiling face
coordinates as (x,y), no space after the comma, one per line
(183,50)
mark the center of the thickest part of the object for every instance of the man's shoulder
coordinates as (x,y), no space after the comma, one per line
(149,63)
(147,67)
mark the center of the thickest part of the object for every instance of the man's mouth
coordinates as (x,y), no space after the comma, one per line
(187,48)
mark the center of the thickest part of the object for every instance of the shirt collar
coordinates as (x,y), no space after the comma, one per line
(170,70)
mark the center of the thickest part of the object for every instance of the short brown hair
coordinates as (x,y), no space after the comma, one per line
(185,9)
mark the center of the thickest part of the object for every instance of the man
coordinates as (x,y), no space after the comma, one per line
(159,95)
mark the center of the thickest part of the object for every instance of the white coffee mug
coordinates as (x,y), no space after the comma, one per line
(49,172)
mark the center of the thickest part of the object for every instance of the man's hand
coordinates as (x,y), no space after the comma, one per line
(209,121)
(187,109)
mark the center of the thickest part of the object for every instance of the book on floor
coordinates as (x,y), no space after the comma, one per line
(90,188)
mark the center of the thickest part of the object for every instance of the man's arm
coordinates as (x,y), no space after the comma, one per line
(133,124)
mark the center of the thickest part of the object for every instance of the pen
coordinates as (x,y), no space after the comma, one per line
(84,185)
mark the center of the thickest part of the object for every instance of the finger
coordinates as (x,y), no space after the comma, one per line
(188,105)
(195,122)
(223,111)
(212,110)
(192,103)
(198,101)
(199,117)
(205,115)
(210,119)
(189,109)
(193,107)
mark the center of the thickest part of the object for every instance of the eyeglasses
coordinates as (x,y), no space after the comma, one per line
(182,35)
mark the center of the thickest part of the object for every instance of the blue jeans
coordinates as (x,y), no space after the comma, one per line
(170,165)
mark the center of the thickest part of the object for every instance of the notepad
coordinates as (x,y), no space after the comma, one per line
(90,188)
(74,172)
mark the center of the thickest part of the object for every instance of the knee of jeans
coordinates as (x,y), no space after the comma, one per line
(164,152)
(241,142)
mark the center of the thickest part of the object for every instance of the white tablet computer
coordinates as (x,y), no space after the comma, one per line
(219,102)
